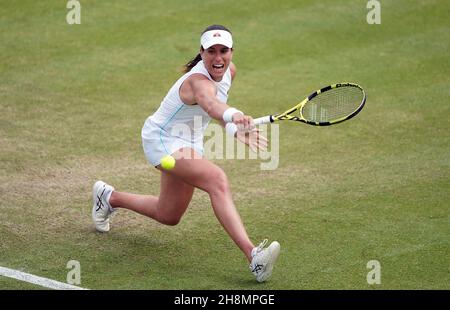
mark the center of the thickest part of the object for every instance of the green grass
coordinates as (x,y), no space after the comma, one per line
(73,100)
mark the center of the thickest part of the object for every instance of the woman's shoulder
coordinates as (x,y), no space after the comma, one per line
(232,70)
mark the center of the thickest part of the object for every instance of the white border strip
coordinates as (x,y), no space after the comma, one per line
(26,277)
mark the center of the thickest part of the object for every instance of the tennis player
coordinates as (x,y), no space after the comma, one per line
(202,92)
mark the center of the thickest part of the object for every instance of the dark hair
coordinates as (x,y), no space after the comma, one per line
(191,64)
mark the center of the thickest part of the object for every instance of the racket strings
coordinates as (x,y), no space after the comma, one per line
(333,104)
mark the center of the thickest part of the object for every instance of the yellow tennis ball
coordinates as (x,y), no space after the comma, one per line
(168,162)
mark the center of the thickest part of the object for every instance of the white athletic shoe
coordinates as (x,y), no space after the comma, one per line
(263,260)
(101,210)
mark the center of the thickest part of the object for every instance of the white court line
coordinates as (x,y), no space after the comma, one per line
(23,276)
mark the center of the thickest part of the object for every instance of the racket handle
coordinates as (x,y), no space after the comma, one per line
(263,120)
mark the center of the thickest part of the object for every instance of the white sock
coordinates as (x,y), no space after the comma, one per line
(253,253)
(108,196)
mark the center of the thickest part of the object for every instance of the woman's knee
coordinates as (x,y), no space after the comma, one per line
(170,220)
(170,214)
(217,182)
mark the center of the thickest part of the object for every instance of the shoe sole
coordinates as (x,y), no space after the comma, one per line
(98,185)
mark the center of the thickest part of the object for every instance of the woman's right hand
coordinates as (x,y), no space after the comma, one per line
(244,123)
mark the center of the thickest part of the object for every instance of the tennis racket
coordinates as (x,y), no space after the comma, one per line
(327,106)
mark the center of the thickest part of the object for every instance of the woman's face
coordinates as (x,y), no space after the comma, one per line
(217,58)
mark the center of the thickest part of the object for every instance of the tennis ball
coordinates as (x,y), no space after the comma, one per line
(168,162)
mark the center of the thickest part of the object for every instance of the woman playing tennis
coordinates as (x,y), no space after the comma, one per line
(201,93)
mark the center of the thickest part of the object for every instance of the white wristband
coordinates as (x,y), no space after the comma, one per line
(231,129)
(228,114)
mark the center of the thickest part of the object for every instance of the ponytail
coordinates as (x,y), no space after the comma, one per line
(191,64)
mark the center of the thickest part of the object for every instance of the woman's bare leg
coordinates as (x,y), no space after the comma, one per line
(177,187)
(203,174)
(168,208)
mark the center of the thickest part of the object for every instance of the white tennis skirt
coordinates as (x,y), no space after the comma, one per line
(158,143)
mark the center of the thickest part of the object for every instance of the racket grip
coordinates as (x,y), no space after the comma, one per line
(263,120)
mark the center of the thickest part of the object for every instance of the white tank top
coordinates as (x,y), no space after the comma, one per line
(173,110)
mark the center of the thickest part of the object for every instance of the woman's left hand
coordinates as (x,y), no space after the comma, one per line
(253,138)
